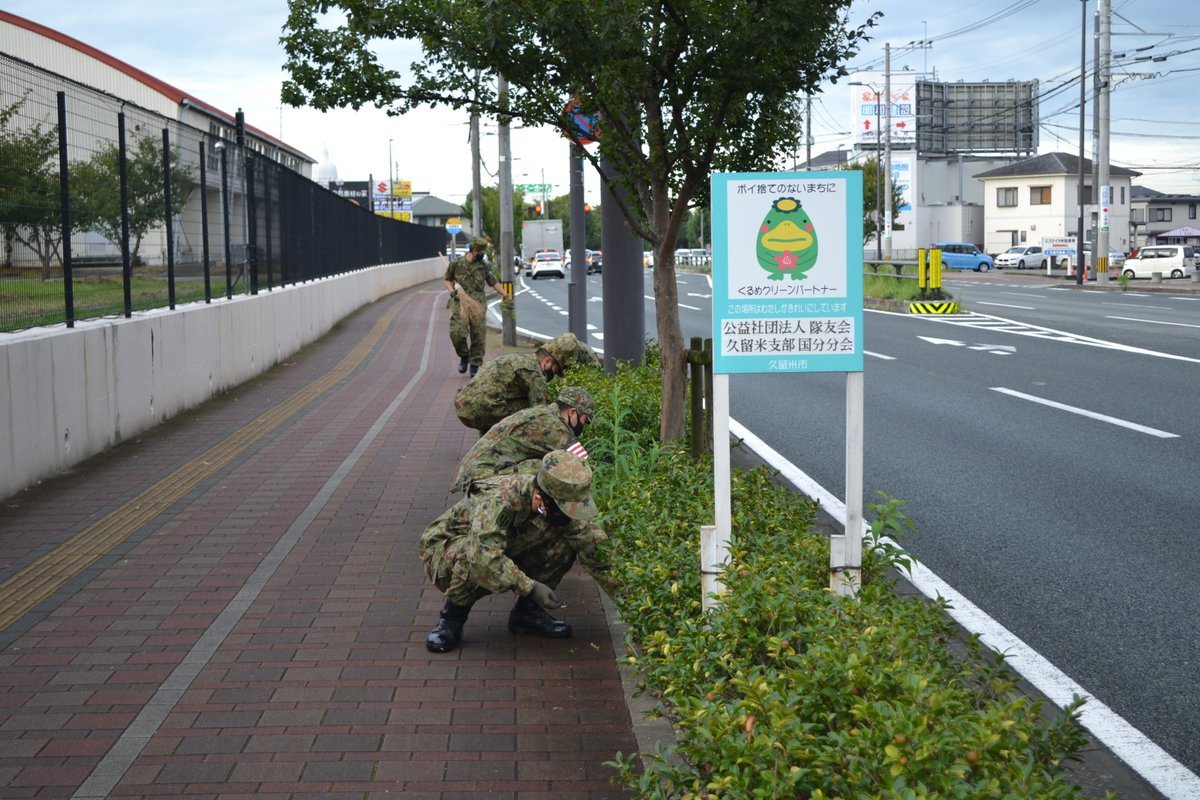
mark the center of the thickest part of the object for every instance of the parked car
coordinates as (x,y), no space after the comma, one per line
(963,255)
(1115,257)
(597,264)
(546,262)
(1021,257)
(1172,260)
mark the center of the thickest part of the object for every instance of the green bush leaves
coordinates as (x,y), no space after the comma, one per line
(786,690)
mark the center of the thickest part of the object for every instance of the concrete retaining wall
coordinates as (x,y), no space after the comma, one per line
(68,394)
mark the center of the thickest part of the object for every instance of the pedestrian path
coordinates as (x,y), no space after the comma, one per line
(232,605)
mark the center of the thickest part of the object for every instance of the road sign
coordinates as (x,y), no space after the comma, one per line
(584,127)
(454,225)
(787,272)
(532,188)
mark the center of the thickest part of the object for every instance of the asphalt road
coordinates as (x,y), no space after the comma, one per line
(1046,446)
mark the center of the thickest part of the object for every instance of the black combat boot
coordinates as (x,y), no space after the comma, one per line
(448,632)
(528,617)
(474,369)
(462,364)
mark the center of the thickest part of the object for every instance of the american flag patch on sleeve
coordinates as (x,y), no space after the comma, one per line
(578,450)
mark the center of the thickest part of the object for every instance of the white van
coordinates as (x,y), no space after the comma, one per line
(1171,260)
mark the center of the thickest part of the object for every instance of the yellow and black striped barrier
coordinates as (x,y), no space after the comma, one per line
(929,280)
(933,307)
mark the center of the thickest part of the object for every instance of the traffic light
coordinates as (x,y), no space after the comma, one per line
(587,208)
(537,208)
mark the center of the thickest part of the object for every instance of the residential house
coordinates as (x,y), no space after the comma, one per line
(1038,198)
(1155,217)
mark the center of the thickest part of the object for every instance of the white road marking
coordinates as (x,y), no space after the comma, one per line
(1003,305)
(993,324)
(1022,294)
(690,308)
(1138,306)
(1155,765)
(996,349)
(878,355)
(1083,412)
(1156,322)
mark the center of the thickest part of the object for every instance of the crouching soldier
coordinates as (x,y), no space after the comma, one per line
(518,442)
(518,533)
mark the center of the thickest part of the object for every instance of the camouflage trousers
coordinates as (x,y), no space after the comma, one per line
(451,568)
(469,339)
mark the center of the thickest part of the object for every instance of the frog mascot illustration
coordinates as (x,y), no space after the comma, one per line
(787,241)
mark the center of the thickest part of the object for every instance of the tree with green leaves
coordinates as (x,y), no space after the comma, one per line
(872,174)
(681,88)
(96,187)
(29,187)
(489,197)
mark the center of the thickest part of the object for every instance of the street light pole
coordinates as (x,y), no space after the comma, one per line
(878,174)
(508,322)
(545,202)
(1100,246)
(391,178)
(887,146)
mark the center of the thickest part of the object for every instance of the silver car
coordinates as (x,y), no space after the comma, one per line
(1023,256)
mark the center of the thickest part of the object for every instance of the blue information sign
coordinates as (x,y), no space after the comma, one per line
(787,272)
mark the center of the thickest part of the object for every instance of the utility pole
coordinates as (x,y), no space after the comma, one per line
(577,280)
(1082,117)
(508,324)
(887,148)
(808,132)
(1100,246)
(476,191)
(391,179)
(878,172)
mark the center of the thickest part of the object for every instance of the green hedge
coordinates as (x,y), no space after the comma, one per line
(786,690)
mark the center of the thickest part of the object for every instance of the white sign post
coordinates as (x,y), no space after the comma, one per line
(787,298)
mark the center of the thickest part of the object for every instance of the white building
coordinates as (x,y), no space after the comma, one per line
(1038,198)
(38,62)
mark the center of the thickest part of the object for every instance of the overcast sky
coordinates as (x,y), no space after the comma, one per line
(228,54)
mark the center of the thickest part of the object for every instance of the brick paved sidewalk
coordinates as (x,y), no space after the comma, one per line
(232,605)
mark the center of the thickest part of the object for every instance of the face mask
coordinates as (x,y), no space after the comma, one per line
(577,426)
(553,514)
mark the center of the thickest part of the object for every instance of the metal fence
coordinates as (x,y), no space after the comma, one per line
(107,208)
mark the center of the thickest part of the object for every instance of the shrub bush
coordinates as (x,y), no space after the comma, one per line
(786,690)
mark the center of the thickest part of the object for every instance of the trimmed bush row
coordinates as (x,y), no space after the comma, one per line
(786,690)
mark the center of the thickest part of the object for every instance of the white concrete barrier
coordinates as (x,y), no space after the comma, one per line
(70,393)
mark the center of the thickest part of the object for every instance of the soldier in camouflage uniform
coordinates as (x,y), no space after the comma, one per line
(474,276)
(514,382)
(518,442)
(579,352)
(518,533)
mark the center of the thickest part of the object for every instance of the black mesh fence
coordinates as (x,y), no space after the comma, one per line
(107,208)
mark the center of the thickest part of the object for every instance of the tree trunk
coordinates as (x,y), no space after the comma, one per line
(670,340)
(665,221)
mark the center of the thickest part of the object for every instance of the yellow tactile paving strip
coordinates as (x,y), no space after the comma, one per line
(41,579)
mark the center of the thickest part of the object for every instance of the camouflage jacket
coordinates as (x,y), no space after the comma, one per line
(515,444)
(504,386)
(496,525)
(473,276)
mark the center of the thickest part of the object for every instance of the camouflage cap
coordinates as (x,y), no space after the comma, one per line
(479,243)
(579,399)
(568,480)
(562,349)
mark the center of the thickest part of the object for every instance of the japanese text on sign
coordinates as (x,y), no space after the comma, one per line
(806,336)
